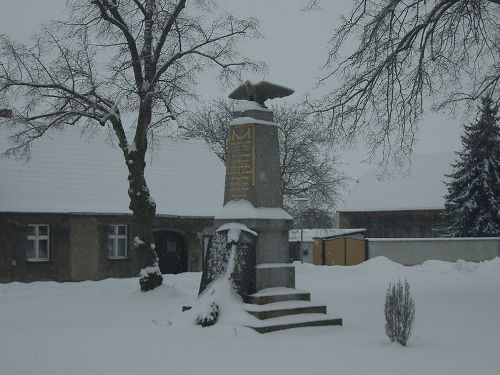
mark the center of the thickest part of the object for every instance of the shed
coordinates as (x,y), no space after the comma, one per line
(308,236)
(346,248)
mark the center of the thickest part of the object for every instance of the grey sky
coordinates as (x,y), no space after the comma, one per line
(294,47)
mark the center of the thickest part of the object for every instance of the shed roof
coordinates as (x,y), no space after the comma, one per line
(420,189)
(70,173)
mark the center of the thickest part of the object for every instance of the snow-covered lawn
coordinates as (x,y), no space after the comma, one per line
(110,327)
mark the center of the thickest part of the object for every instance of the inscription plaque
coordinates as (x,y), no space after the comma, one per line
(240,168)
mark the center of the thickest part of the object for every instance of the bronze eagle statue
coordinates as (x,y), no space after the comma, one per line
(259,92)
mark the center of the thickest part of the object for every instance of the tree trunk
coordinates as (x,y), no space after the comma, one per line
(142,205)
(144,209)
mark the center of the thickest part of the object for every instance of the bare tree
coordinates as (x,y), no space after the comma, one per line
(410,55)
(211,123)
(309,167)
(112,57)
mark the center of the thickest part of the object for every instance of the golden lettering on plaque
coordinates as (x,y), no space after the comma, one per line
(240,168)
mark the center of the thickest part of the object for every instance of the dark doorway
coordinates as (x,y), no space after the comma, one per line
(171,250)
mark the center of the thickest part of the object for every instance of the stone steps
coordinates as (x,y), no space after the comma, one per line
(277,309)
(298,321)
(285,308)
(276,295)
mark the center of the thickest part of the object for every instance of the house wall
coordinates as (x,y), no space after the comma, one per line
(13,242)
(85,244)
(395,224)
(78,246)
(89,252)
(411,251)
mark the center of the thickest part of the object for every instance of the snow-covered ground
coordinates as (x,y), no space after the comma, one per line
(110,327)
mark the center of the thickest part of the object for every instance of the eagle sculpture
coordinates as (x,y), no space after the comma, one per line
(259,92)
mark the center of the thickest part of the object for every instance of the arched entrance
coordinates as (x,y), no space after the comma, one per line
(171,250)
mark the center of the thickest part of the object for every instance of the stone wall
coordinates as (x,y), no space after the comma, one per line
(395,224)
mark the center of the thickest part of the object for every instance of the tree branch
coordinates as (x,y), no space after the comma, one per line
(170,22)
(115,19)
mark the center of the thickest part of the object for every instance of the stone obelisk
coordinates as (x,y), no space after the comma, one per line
(253,194)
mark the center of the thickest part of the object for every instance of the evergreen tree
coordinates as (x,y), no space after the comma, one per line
(473,199)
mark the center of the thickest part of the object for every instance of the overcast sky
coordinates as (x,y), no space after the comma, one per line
(294,47)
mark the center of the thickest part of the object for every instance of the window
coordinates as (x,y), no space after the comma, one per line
(117,241)
(38,243)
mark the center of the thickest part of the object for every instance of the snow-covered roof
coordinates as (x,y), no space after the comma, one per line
(69,173)
(309,234)
(422,188)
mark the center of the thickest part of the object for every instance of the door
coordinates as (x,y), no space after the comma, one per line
(171,250)
(335,252)
(355,251)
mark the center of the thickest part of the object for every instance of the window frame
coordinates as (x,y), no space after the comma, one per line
(37,237)
(115,237)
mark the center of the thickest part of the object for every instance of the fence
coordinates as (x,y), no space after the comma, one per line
(410,251)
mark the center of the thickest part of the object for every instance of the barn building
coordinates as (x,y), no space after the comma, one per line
(400,205)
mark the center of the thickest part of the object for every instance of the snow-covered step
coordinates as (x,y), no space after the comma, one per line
(276,309)
(284,308)
(295,321)
(271,295)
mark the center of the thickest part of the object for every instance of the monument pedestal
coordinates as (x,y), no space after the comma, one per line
(253,195)
(272,267)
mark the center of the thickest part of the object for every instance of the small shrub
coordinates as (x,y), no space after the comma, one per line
(399,312)
(150,281)
(210,317)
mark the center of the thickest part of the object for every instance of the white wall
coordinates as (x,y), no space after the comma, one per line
(410,251)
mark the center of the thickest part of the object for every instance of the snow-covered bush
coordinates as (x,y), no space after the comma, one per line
(210,317)
(399,312)
(150,277)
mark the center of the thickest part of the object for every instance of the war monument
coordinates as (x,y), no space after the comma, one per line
(251,245)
